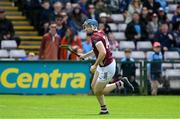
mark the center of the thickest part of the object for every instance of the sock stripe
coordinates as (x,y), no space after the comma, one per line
(104,111)
(103,106)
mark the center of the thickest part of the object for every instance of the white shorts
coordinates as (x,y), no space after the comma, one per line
(106,73)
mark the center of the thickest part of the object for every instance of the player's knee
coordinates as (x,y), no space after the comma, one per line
(97,92)
(92,86)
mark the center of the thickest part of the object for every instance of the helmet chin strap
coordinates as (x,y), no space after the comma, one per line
(89,34)
(94,28)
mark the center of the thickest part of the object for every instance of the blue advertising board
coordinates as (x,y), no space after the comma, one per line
(44,77)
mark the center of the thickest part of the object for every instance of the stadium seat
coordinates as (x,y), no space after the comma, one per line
(8,44)
(144,45)
(122,27)
(138,55)
(4,53)
(17,53)
(167,65)
(174,84)
(138,73)
(117,17)
(169,16)
(173,75)
(170,1)
(177,65)
(126,44)
(113,26)
(171,55)
(118,54)
(7,59)
(119,36)
(172,8)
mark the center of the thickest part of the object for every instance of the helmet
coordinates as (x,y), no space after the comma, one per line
(90,22)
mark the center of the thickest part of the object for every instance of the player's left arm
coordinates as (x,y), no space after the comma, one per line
(89,54)
(102,53)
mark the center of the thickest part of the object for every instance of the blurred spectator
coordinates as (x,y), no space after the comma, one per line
(103,23)
(176,34)
(62,25)
(77,18)
(50,44)
(176,18)
(92,13)
(128,68)
(124,5)
(62,1)
(162,16)
(155,67)
(31,56)
(165,38)
(32,9)
(83,6)
(135,6)
(69,8)
(75,43)
(7,36)
(45,17)
(57,6)
(152,6)
(153,26)
(5,25)
(113,5)
(101,6)
(136,30)
(145,16)
(87,45)
(113,44)
(163,4)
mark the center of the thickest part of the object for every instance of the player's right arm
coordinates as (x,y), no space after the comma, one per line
(89,54)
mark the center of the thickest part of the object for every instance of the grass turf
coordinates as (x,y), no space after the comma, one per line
(73,106)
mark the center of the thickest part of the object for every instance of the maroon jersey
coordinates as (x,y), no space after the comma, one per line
(100,36)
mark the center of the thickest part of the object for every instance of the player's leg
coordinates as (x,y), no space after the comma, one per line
(111,87)
(111,69)
(98,91)
(99,98)
(123,83)
(101,87)
(97,88)
(96,74)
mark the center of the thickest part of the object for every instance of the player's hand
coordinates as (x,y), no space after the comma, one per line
(93,68)
(75,47)
(81,56)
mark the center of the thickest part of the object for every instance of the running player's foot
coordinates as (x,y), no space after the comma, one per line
(104,110)
(102,113)
(127,84)
(119,84)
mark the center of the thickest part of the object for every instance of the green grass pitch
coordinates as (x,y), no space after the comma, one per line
(83,106)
